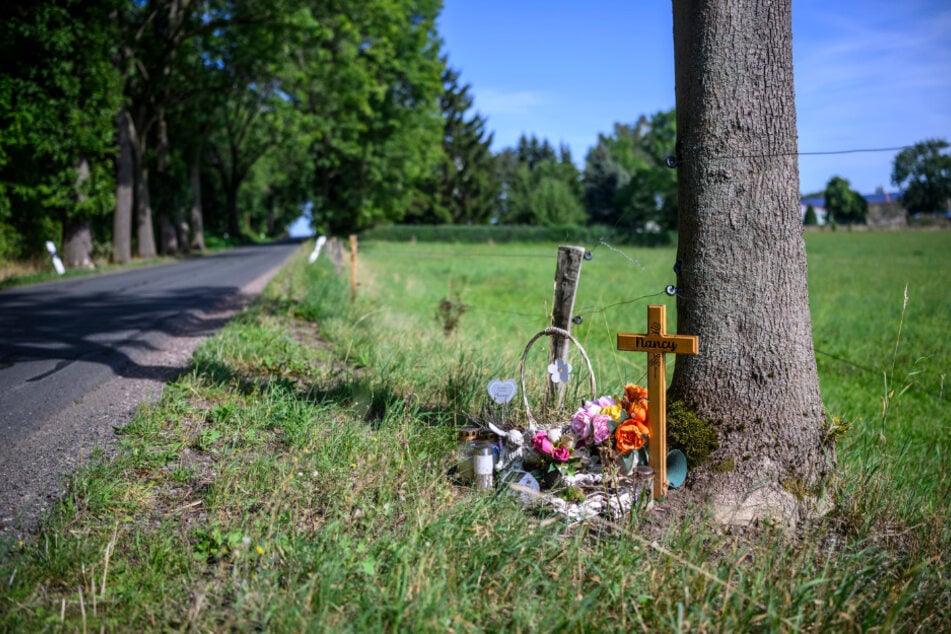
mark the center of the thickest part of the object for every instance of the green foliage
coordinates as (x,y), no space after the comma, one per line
(626,181)
(835,429)
(539,187)
(463,188)
(381,133)
(257,132)
(58,98)
(810,219)
(694,436)
(923,171)
(844,205)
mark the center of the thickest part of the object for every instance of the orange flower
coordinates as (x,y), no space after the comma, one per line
(628,436)
(635,403)
(638,412)
(634,393)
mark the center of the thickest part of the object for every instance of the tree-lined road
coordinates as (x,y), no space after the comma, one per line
(62,341)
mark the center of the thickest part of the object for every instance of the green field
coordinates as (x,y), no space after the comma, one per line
(295,479)
(864,333)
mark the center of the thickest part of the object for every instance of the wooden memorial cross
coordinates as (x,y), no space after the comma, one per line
(657,343)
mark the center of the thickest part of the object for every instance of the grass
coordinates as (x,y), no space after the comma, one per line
(294,480)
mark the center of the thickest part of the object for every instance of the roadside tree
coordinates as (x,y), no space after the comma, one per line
(58,95)
(742,263)
(463,188)
(374,91)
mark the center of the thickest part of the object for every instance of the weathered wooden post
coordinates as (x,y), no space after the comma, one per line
(567,274)
(656,343)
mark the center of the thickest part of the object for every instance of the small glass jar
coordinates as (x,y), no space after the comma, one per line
(483,464)
(465,447)
(488,437)
(644,480)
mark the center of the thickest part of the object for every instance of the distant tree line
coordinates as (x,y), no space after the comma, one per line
(140,125)
(921,171)
(135,127)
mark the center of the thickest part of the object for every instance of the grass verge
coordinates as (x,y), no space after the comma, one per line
(295,480)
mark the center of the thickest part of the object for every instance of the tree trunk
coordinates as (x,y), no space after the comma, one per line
(234,221)
(182,228)
(742,261)
(168,234)
(125,176)
(77,244)
(198,223)
(144,231)
(77,234)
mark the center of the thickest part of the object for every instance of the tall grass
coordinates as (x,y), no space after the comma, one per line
(295,479)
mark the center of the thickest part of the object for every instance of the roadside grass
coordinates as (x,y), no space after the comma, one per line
(296,477)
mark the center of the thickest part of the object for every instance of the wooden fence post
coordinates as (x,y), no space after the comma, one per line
(567,274)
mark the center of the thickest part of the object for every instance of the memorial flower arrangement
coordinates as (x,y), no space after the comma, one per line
(622,421)
(608,427)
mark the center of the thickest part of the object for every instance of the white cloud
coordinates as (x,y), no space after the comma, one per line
(496,102)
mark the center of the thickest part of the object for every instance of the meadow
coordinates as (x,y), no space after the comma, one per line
(296,478)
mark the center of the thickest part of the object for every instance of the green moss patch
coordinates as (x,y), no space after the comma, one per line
(694,436)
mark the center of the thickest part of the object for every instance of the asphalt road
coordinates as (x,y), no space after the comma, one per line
(64,341)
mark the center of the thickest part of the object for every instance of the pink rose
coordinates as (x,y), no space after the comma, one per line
(589,425)
(581,427)
(602,428)
(561,454)
(542,444)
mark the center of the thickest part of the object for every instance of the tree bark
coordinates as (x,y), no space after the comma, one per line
(144,231)
(742,261)
(231,202)
(77,244)
(198,222)
(77,233)
(168,234)
(125,176)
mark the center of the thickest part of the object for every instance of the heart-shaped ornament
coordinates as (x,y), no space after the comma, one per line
(502,391)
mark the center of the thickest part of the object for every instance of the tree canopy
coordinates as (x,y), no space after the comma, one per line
(59,92)
(462,187)
(626,181)
(844,205)
(923,171)
(136,126)
(539,186)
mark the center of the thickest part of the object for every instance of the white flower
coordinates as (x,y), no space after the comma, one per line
(559,371)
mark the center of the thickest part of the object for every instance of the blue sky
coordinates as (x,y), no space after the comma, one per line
(869,74)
